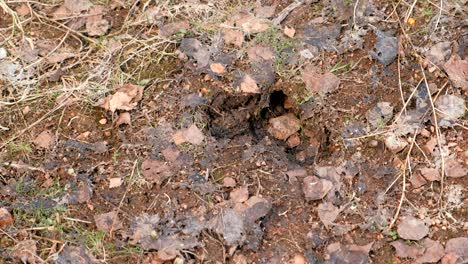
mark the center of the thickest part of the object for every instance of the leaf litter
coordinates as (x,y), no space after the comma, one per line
(212,142)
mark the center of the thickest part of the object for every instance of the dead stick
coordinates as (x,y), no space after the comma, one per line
(285,12)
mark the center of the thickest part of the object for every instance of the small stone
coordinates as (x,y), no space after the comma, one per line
(298,259)
(374,143)
(229,182)
(294,141)
(284,126)
(103,121)
(394,143)
(289,31)
(5,218)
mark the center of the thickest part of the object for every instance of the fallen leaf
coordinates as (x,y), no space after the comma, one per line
(439,52)
(450,258)
(451,108)
(234,37)
(108,222)
(327,213)
(289,31)
(22,10)
(457,71)
(173,28)
(46,140)
(167,254)
(170,153)
(26,251)
(249,85)
(457,247)
(229,182)
(404,250)
(379,115)
(412,228)
(265,11)
(124,118)
(455,168)
(217,68)
(195,49)
(284,126)
(255,25)
(77,6)
(156,171)
(143,226)
(431,174)
(125,98)
(76,255)
(239,195)
(115,182)
(319,83)
(434,251)
(315,188)
(322,37)
(97,27)
(192,135)
(258,53)
(5,218)
(417,180)
(339,254)
(385,49)
(59,56)
(114,45)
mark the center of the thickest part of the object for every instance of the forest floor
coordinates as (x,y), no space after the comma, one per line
(202,131)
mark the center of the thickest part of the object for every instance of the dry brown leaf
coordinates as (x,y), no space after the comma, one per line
(319,83)
(255,25)
(315,188)
(97,27)
(457,71)
(239,195)
(217,68)
(45,140)
(258,53)
(170,153)
(26,251)
(125,98)
(407,251)
(108,221)
(249,85)
(59,56)
(77,6)
(234,37)
(417,180)
(412,228)
(455,169)
(229,182)
(115,182)
(22,10)
(289,31)
(327,213)
(431,174)
(156,171)
(173,28)
(191,135)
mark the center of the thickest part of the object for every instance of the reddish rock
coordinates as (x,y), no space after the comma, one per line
(284,126)
(5,218)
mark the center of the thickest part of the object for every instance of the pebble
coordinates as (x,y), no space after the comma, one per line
(3,53)
(103,121)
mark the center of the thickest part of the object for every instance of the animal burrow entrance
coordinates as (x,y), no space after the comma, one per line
(232,115)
